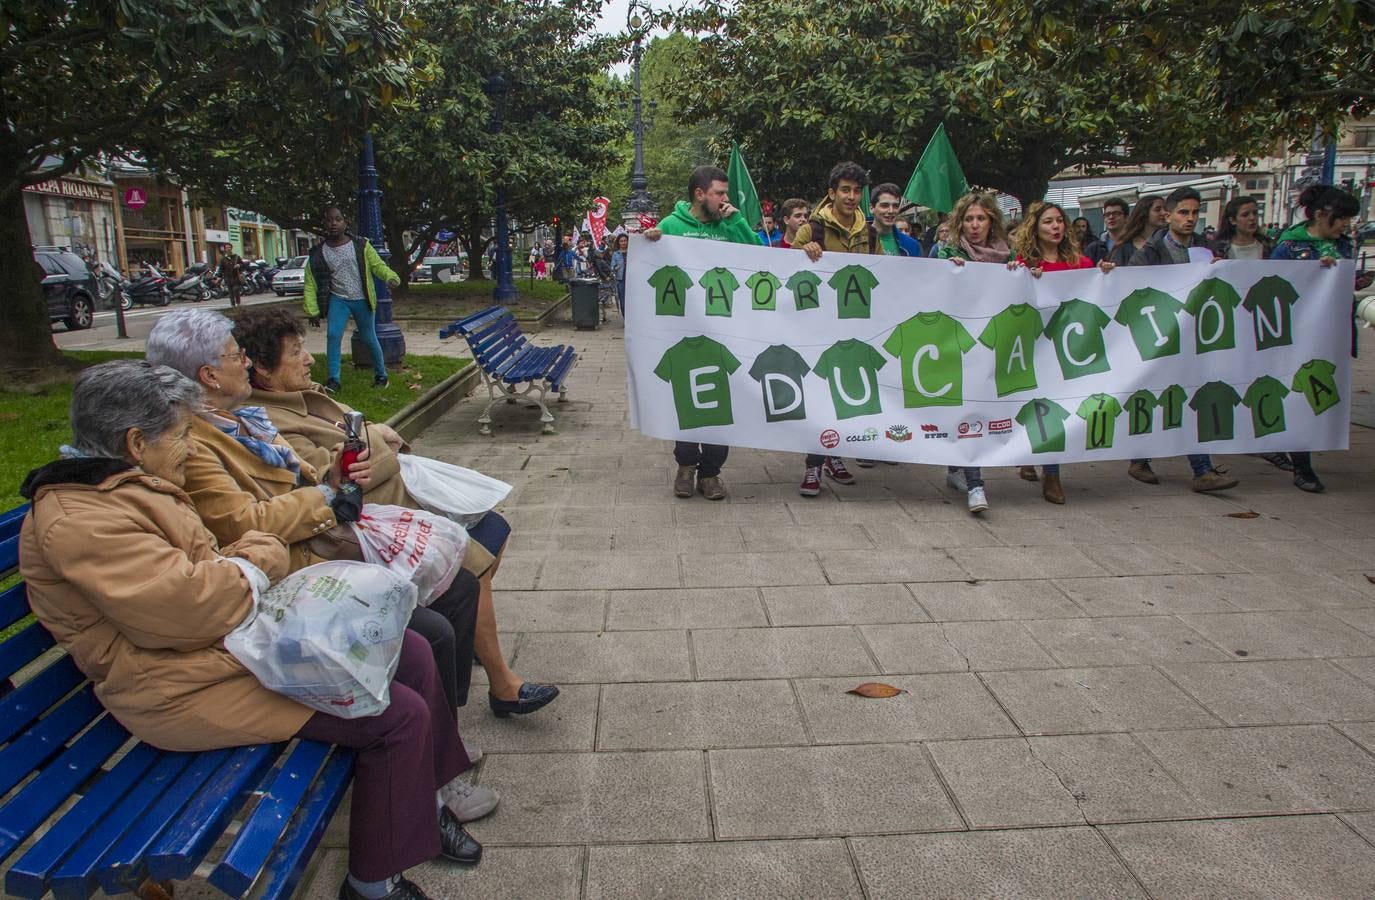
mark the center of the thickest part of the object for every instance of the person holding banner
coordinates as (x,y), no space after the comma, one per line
(707,215)
(893,240)
(795,213)
(1147,217)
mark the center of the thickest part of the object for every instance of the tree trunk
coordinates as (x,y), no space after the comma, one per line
(27,350)
(400,254)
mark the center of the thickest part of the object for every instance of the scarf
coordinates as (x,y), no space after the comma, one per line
(256,435)
(987,253)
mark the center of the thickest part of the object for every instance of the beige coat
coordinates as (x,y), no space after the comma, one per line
(128,580)
(235,492)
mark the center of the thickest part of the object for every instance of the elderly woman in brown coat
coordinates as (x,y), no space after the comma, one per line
(129,582)
(312,422)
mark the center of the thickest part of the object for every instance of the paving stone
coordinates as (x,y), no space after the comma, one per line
(680,539)
(1363,668)
(740,569)
(1282,858)
(1282,635)
(842,604)
(1161,559)
(1121,641)
(1276,692)
(1364,823)
(701,714)
(1000,783)
(756,869)
(607,656)
(957,646)
(931,707)
(807,537)
(1287,556)
(1072,529)
(1019,563)
(1119,698)
(932,535)
(579,571)
(1033,864)
(525,872)
(568,798)
(1288,590)
(698,511)
(568,723)
(820,791)
(550,610)
(876,513)
(1362,733)
(803,652)
(1112,778)
(955,601)
(1363,618)
(1273,769)
(880,566)
(544,543)
(1144,595)
(686,608)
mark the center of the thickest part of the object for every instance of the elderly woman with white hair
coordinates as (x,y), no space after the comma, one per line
(130,583)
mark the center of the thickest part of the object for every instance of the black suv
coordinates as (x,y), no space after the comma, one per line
(68,286)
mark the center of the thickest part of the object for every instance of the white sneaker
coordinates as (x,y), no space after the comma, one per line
(978,501)
(473,750)
(956,480)
(468,801)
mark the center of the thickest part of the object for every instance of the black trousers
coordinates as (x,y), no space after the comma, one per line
(449,624)
(708,458)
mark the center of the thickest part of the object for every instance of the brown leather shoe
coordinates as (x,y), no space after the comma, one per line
(1027,473)
(684,481)
(1143,473)
(1213,480)
(711,487)
(1051,490)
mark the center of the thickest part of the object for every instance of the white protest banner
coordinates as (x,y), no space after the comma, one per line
(919,360)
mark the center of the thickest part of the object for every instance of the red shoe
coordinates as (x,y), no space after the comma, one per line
(834,467)
(811,482)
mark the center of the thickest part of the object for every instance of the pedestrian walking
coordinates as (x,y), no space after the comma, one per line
(230,271)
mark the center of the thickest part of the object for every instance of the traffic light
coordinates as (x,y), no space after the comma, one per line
(556,220)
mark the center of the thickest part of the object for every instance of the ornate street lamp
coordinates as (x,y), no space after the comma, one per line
(497,87)
(370,226)
(639,202)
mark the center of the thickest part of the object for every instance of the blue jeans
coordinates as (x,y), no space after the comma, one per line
(1199,462)
(363,319)
(973,475)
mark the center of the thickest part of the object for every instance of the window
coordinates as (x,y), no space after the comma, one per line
(1257,184)
(50,265)
(73,265)
(1364,137)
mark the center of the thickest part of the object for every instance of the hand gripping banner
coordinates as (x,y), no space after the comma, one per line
(918,360)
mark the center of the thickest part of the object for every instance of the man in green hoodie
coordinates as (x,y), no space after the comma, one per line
(707,214)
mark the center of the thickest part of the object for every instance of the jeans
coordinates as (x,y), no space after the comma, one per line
(364,320)
(1052,469)
(973,475)
(1199,462)
(620,297)
(708,458)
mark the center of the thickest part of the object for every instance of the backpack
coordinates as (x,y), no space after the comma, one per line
(819,231)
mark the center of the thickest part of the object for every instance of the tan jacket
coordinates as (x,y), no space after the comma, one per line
(836,238)
(235,492)
(128,580)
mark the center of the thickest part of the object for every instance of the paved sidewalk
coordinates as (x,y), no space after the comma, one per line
(1130,695)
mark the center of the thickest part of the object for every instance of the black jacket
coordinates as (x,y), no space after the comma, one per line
(1155,253)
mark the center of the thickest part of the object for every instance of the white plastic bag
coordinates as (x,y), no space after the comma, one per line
(452,491)
(423,548)
(328,636)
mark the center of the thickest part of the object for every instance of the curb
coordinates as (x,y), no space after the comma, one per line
(415,417)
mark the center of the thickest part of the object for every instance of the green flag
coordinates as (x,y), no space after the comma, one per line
(937,182)
(865,208)
(743,196)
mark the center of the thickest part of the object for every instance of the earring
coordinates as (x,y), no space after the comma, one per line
(215,386)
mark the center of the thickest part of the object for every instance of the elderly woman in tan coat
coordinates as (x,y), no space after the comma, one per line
(129,582)
(312,422)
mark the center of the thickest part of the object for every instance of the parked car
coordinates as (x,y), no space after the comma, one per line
(1365,232)
(291,278)
(69,288)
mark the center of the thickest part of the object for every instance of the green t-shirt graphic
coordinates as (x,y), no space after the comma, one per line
(805,287)
(851,367)
(1317,380)
(1172,407)
(1265,399)
(720,285)
(853,285)
(670,285)
(779,371)
(1215,402)
(1011,335)
(1044,422)
(1141,412)
(1153,317)
(929,346)
(763,290)
(698,369)
(1100,411)
(1076,330)
(1212,304)
(1269,301)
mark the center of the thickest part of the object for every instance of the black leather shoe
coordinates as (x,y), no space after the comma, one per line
(530,698)
(458,845)
(404,890)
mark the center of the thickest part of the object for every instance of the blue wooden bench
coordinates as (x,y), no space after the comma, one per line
(508,359)
(139,815)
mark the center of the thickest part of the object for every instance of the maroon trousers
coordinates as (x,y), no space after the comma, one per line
(404,756)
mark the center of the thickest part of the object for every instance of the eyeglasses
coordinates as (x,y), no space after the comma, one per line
(241,355)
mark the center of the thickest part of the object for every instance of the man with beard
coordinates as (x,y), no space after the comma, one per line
(708,215)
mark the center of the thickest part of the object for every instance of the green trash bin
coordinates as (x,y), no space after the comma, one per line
(586,309)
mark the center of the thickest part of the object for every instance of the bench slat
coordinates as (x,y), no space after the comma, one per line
(35,801)
(9,553)
(297,846)
(24,706)
(126,864)
(22,648)
(248,854)
(47,738)
(477,319)
(562,366)
(75,878)
(185,842)
(14,604)
(531,366)
(11,520)
(29,876)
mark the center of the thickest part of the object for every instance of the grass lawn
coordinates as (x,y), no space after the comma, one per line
(460,298)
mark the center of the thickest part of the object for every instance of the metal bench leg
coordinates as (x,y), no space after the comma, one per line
(494,396)
(563,395)
(545,415)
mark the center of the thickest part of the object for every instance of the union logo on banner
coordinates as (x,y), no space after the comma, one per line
(647,221)
(596,219)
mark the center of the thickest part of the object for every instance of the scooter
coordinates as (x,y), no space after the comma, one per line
(191,285)
(149,289)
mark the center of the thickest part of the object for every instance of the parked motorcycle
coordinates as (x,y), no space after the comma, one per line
(191,285)
(149,289)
